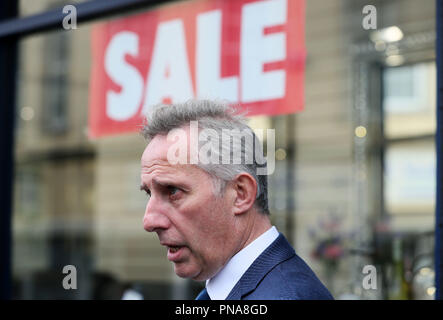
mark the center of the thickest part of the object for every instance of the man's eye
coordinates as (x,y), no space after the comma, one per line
(172,190)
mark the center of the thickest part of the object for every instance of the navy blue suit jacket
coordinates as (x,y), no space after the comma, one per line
(279,274)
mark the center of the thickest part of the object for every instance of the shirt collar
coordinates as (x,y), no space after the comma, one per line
(219,286)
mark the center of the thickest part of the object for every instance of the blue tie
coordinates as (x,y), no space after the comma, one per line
(203,295)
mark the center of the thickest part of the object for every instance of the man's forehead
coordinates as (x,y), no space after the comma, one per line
(158,147)
(156,150)
(149,165)
(155,156)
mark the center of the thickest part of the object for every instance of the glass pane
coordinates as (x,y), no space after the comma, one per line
(343,200)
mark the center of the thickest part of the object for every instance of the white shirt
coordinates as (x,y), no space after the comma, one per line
(220,285)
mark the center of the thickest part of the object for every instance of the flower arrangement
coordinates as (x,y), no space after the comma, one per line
(329,240)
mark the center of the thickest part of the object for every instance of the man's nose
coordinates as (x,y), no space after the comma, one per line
(154,218)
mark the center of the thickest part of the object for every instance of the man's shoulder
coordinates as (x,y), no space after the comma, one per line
(291,279)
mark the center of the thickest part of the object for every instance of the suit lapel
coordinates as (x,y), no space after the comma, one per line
(279,251)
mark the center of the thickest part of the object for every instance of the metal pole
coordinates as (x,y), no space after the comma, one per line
(439,147)
(8,56)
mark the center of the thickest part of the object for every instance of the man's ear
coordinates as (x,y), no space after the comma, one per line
(245,188)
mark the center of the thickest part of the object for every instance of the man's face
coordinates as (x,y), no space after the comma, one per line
(194,224)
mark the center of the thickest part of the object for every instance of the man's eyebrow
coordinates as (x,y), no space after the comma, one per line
(165,182)
(155,182)
(160,182)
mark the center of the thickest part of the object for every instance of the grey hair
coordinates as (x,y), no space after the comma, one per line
(216,117)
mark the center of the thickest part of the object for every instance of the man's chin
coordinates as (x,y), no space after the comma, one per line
(185,272)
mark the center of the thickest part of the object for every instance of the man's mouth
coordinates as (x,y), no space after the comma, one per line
(173,249)
(175,253)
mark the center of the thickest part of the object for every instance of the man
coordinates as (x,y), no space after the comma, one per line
(211,211)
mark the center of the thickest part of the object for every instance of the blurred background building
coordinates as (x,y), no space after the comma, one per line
(354,183)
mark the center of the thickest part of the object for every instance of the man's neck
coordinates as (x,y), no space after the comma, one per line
(257,224)
(223,282)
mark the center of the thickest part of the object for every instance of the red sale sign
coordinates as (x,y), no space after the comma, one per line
(248,52)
